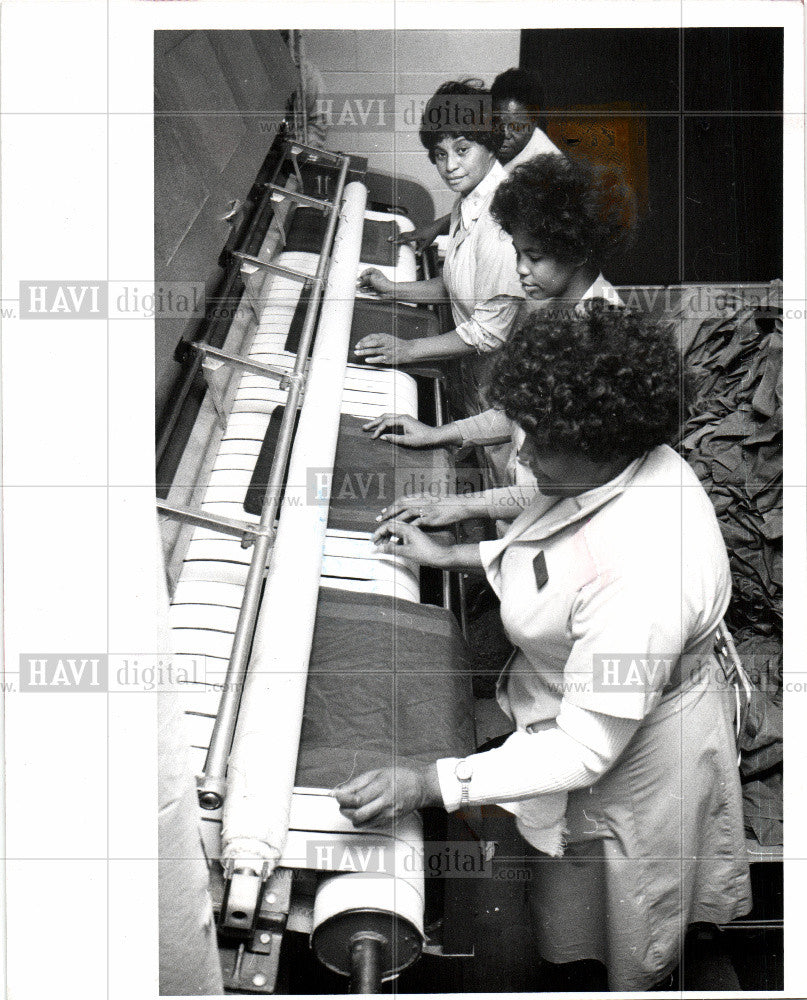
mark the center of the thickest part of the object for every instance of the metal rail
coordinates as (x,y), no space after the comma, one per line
(211,787)
(227,290)
(214,522)
(439,420)
(278,269)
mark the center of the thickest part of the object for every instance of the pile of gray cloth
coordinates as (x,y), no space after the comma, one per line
(733,439)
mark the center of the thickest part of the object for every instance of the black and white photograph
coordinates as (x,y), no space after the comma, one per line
(409,443)
(491,377)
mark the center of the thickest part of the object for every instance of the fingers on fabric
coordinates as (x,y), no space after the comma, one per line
(388,537)
(389,426)
(349,790)
(403,509)
(386,540)
(376,813)
(378,424)
(376,348)
(367,344)
(414,236)
(414,509)
(394,535)
(367,799)
(393,793)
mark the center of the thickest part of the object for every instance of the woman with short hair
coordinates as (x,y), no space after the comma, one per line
(479,277)
(517,97)
(613,585)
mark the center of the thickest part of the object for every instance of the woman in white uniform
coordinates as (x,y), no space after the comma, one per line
(479,277)
(566,218)
(518,99)
(612,586)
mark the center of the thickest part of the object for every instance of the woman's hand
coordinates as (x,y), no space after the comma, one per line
(373,280)
(382,349)
(401,429)
(397,538)
(420,238)
(426,511)
(377,798)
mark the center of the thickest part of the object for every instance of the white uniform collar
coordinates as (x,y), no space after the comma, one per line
(539,522)
(475,202)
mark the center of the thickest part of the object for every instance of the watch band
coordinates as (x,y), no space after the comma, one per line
(463,772)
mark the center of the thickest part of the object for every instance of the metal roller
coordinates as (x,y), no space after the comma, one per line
(256,811)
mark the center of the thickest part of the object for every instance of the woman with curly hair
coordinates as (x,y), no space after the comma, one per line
(565,218)
(622,769)
(479,276)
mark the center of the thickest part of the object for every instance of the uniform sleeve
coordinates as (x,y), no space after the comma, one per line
(574,753)
(491,427)
(495,427)
(501,501)
(489,325)
(628,634)
(497,291)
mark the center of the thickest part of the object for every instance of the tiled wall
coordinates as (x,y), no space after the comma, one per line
(376,64)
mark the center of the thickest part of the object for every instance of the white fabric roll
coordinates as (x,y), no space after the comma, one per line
(264,756)
(189,958)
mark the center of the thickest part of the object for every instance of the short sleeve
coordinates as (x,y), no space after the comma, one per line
(490,554)
(628,635)
(496,272)
(504,502)
(497,291)
(491,427)
(490,324)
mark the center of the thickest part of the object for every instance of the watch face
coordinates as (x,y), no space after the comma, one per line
(464,770)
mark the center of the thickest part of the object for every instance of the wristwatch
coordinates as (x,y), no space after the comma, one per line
(464,771)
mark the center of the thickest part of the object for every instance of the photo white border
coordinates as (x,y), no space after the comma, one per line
(78,404)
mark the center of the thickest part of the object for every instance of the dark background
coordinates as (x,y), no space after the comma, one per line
(698,113)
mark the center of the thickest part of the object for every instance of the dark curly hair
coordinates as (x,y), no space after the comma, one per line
(571,208)
(602,381)
(459,108)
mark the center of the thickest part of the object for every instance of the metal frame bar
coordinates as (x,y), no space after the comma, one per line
(211,787)
(215,522)
(252,241)
(279,269)
(246,364)
(216,360)
(314,152)
(440,419)
(291,153)
(754,925)
(303,199)
(300,98)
